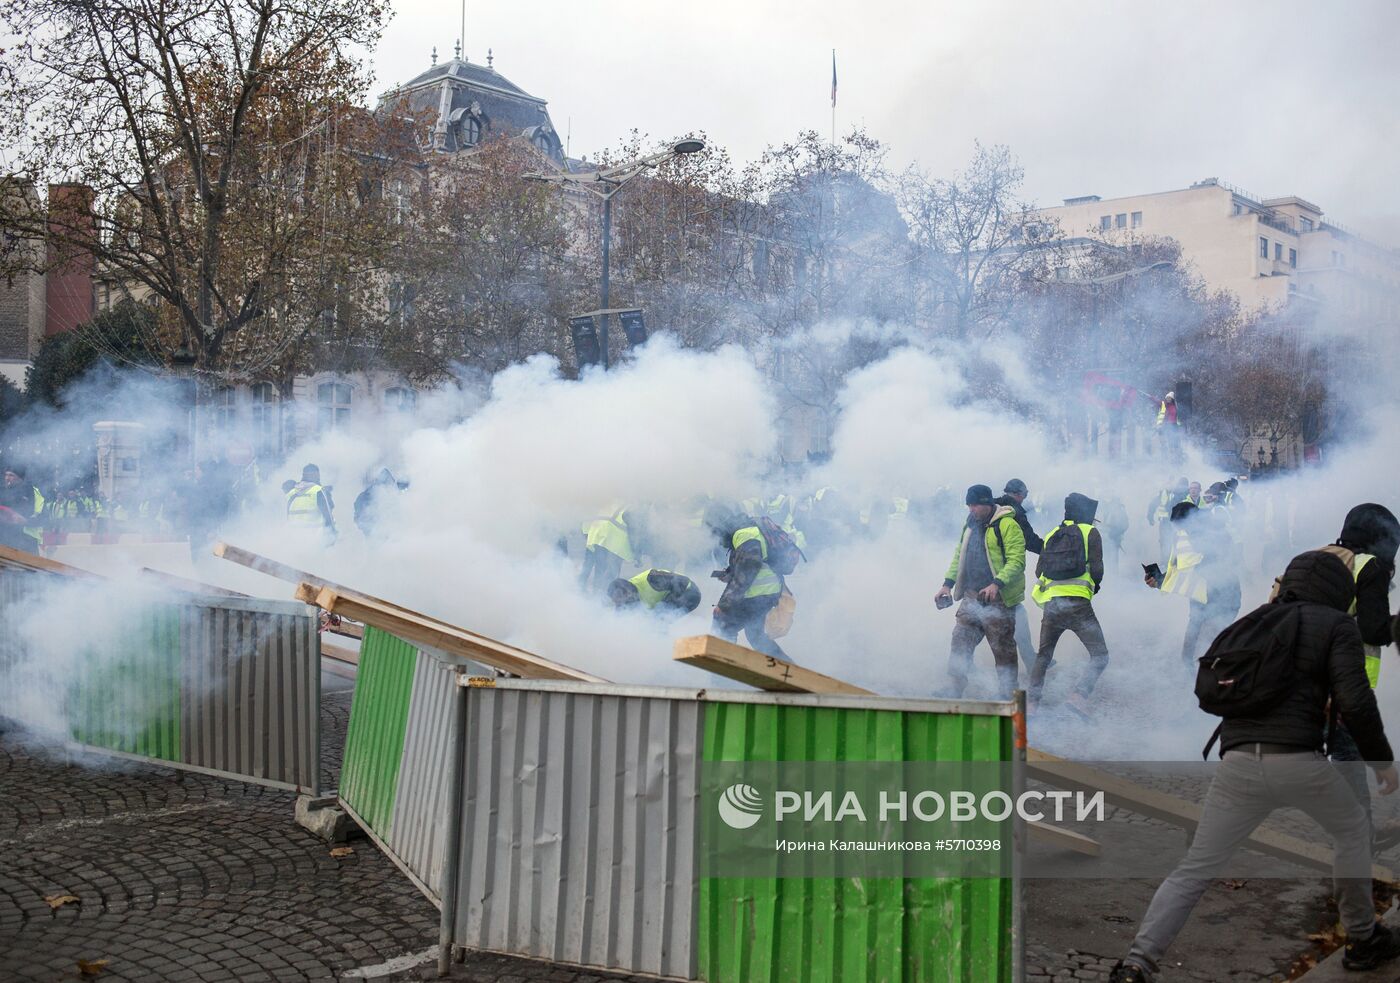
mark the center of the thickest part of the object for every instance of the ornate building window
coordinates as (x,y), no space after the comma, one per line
(267,420)
(332,406)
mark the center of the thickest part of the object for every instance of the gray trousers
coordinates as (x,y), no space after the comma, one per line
(1074,614)
(973,622)
(1245,790)
(1202,625)
(1024,647)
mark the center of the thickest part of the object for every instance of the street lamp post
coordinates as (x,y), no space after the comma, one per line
(605,183)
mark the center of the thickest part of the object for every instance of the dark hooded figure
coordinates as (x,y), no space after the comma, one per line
(1372,530)
(1069,574)
(371,504)
(1274,759)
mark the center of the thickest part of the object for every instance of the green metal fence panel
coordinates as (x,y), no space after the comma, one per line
(374,738)
(129,699)
(853,930)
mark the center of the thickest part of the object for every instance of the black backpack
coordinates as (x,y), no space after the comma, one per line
(783,552)
(1062,557)
(1250,667)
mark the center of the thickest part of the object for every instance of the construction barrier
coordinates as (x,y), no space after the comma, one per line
(223,685)
(578,831)
(394,776)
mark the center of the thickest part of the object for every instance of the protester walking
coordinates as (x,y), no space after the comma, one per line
(988,576)
(1070,572)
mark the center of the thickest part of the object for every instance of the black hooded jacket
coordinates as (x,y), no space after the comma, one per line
(1373,529)
(1034,544)
(1330,663)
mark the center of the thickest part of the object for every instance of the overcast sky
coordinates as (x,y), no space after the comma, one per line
(1280,97)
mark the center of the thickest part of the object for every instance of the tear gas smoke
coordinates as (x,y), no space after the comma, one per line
(498,478)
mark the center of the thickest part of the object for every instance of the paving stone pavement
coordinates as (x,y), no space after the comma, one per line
(181,876)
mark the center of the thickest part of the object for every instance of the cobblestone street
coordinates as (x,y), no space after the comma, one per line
(178,876)
(145,873)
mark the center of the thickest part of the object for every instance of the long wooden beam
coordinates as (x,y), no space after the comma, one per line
(290,574)
(31,561)
(185,584)
(431,633)
(758,670)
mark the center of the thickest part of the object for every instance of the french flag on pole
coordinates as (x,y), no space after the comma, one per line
(833,78)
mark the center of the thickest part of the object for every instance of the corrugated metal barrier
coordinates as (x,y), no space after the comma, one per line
(395,774)
(224,685)
(575,807)
(579,825)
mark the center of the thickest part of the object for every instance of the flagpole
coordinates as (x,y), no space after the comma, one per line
(833,97)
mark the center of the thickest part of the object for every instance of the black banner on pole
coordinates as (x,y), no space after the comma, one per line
(633,327)
(585,334)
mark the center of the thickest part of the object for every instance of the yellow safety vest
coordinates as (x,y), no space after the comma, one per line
(650,596)
(1164,505)
(609,532)
(303,509)
(1081,586)
(767,581)
(1182,576)
(36,532)
(1373,652)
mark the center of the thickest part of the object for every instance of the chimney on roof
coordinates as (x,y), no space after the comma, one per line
(489,58)
(434,54)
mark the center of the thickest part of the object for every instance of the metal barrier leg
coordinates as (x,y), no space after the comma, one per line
(1019,842)
(452,859)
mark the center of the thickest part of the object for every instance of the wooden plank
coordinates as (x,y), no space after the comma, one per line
(339,653)
(758,670)
(185,584)
(275,568)
(347,629)
(1061,837)
(41,564)
(1072,776)
(431,633)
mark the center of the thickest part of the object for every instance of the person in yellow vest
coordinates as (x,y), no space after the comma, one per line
(1367,545)
(1069,573)
(21,512)
(670,593)
(988,575)
(752,588)
(608,546)
(1159,512)
(1202,568)
(309,505)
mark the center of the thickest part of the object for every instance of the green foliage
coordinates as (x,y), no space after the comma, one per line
(12,400)
(110,341)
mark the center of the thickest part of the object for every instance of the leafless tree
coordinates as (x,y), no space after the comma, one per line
(222,166)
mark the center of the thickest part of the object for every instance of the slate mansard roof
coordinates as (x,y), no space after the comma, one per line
(468,103)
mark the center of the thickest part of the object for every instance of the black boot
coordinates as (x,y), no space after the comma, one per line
(1382,946)
(1128,973)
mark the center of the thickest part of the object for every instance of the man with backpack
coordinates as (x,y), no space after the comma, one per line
(760,555)
(988,575)
(1367,545)
(1270,676)
(1070,572)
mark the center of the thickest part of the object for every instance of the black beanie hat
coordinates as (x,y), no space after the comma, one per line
(980,495)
